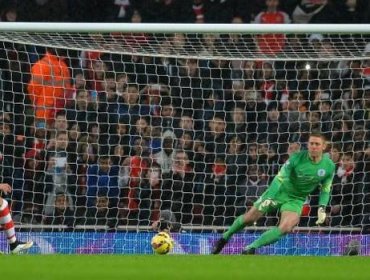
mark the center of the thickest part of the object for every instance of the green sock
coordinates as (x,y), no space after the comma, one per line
(237,225)
(267,238)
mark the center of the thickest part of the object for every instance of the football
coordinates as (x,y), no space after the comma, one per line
(162,243)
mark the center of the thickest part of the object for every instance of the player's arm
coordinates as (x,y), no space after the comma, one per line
(287,169)
(325,191)
(324,198)
(284,174)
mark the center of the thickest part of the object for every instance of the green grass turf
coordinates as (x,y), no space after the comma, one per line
(102,267)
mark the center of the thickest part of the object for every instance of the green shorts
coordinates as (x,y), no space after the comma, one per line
(273,199)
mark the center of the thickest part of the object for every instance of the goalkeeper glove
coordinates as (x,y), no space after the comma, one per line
(321,215)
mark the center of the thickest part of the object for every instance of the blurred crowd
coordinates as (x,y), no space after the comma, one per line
(183,11)
(92,138)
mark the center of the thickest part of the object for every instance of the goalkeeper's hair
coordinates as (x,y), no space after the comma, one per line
(318,134)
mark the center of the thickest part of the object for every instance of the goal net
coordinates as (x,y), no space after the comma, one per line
(109,131)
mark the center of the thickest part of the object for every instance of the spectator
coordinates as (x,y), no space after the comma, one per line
(306,10)
(102,177)
(267,158)
(7,150)
(167,155)
(268,82)
(255,113)
(186,123)
(96,71)
(134,168)
(130,108)
(186,143)
(198,11)
(209,41)
(220,74)
(188,87)
(167,115)
(345,192)
(249,72)
(58,174)
(120,140)
(102,213)
(219,197)
(50,78)
(14,64)
(354,11)
(121,83)
(237,123)
(152,98)
(61,214)
(166,221)
(93,136)
(89,145)
(8,12)
(236,161)
(237,93)
(38,140)
(326,116)
(252,187)
(296,111)
(61,122)
(79,83)
(121,11)
(178,189)
(149,194)
(30,214)
(252,153)
(313,121)
(215,140)
(27,184)
(74,136)
(275,127)
(212,105)
(82,110)
(271,43)
(108,102)
(335,154)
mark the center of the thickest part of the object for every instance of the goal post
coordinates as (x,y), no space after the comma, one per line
(112,127)
(64,27)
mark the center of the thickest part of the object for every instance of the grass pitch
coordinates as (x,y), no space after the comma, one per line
(104,267)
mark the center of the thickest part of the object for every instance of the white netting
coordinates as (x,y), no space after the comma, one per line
(206,41)
(192,126)
(205,46)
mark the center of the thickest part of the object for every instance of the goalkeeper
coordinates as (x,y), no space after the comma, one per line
(300,176)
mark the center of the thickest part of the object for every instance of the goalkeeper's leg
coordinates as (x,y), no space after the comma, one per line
(242,221)
(288,221)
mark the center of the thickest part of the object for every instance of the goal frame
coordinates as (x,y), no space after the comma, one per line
(185,28)
(189,28)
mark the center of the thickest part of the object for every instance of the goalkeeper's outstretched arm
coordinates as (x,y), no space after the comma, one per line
(324,198)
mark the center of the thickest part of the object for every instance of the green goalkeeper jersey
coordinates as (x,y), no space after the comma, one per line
(300,176)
